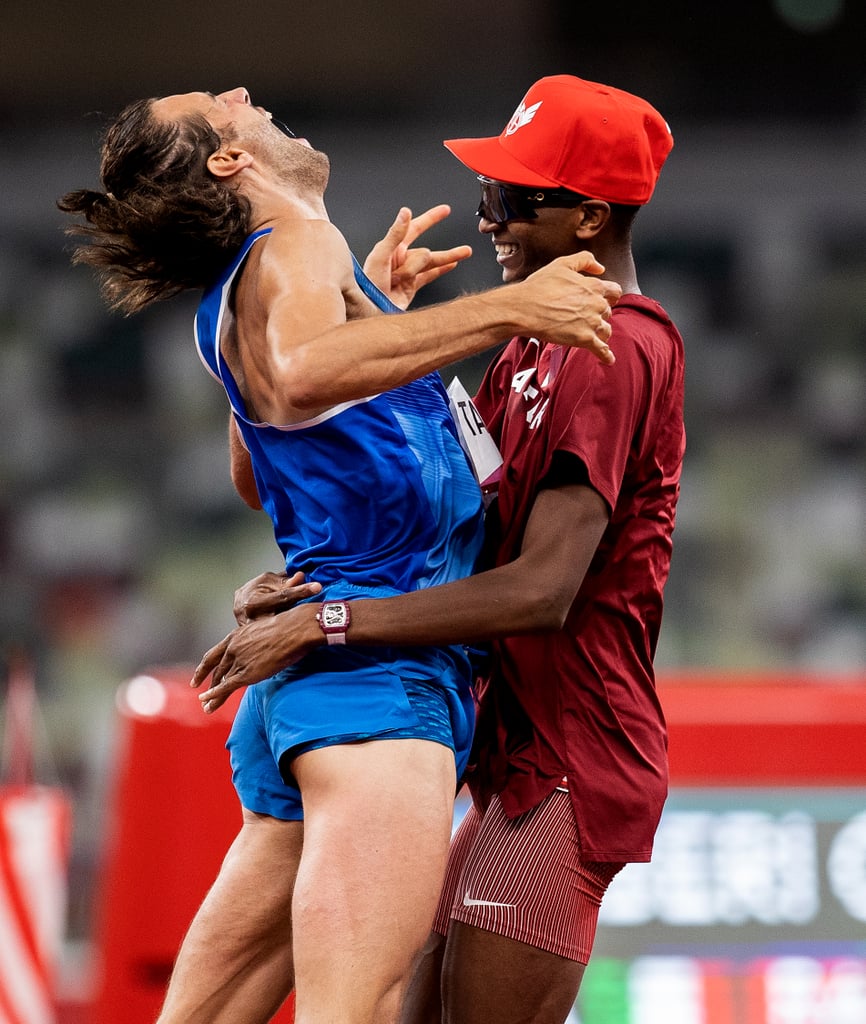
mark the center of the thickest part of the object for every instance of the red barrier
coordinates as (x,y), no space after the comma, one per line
(765,729)
(172,817)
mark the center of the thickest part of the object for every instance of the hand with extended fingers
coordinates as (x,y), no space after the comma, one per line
(400,271)
(570,304)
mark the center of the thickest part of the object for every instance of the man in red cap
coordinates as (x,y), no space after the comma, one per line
(569,773)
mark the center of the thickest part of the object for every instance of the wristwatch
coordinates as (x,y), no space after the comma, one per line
(334,618)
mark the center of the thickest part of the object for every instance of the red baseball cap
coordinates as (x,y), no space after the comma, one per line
(582,136)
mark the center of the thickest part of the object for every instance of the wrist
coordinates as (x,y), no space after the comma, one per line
(333,619)
(502,310)
(313,636)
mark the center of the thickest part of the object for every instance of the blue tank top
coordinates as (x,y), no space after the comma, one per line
(372,497)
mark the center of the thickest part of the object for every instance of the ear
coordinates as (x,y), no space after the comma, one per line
(592,216)
(227,161)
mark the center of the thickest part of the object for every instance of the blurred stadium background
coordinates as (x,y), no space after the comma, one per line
(121,540)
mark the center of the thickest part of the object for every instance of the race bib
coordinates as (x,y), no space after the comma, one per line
(479,446)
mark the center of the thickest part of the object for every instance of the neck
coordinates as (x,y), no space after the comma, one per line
(267,216)
(618,262)
(271,202)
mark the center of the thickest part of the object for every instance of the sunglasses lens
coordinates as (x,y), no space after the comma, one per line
(500,203)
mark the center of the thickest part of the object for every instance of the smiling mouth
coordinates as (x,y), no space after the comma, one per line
(504,250)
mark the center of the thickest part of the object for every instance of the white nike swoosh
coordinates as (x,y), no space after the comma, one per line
(469,902)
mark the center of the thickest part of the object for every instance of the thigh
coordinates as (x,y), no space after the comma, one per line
(523,918)
(380,810)
(252,895)
(377,826)
(423,1003)
(488,977)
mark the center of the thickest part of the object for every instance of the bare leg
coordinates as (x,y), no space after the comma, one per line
(235,963)
(377,827)
(490,978)
(423,1003)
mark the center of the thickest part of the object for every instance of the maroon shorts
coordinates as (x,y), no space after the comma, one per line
(523,878)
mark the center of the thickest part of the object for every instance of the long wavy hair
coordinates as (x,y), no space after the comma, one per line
(163,224)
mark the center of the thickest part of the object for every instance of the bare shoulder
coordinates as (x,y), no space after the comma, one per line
(310,259)
(305,250)
(291,292)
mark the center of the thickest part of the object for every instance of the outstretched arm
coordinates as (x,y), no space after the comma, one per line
(297,356)
(558,303)
(531,594)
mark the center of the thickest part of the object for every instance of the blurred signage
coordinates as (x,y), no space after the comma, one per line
(753,910)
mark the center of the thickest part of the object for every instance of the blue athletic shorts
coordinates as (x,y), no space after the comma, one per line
(344,695)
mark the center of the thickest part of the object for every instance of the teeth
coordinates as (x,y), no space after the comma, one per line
(505,250)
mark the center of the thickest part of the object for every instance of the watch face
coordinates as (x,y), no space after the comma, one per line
(334,616)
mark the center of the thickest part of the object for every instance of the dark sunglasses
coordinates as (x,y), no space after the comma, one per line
(500,203)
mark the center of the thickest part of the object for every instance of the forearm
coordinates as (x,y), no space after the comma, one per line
(482,607)
(487,606)
(532,593)
(558,303)
(376,354)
